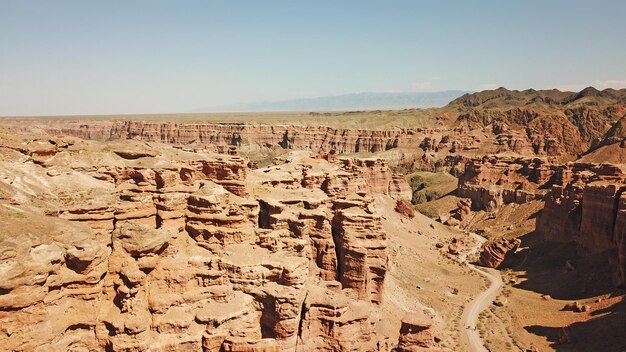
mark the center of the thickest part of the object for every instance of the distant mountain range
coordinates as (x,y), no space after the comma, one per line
(357,101)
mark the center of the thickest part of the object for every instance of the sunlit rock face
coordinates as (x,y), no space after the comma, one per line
(586,205)
(493,181)
(157,248)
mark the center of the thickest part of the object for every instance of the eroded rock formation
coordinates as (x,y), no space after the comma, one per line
(416,333)
(405,208)
(493,181)
(586,205)
(285,136)
(159,248)
(494,253)
(132,245)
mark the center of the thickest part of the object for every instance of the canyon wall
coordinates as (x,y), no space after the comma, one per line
(130,247)
(285,136)
(425,147)
(586,205)
(582,202)
(493,181)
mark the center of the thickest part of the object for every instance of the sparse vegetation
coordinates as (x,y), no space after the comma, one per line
(17,214)
(430,212)
(428,186)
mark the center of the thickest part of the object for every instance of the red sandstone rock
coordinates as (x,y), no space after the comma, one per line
(405,208)
(172,250)
(416,333)
(216,216)
(361,252)
(494,253)
(491,182)
(585,206)
(285,136)
(429,147)
(619,234)
(464,207)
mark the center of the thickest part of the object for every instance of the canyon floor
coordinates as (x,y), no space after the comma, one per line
(497,222)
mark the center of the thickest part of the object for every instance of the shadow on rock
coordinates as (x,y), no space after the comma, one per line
(603,332)
(563,270)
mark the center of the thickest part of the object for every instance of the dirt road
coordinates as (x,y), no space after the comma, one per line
(480,303)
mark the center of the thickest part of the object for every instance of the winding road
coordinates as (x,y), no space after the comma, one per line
(481,302)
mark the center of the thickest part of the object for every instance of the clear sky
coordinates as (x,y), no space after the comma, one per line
(131,56)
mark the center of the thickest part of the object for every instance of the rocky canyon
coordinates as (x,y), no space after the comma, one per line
(319,231)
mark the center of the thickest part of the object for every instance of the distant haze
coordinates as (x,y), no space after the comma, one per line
(358,101)
(76,57)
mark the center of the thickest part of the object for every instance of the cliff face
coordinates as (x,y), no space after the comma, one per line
(585,205)
(444,146)
(583,201)
(157,248)
(619,235)
(552,124)
(612,148)
(285,136)
(496,252)
(493,181)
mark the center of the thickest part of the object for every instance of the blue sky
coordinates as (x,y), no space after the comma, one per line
(88,57)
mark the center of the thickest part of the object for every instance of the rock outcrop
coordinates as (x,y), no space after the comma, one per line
(284,136)
(493,181)
(159,248)
(464,207)
(616,134)
(585,205)
(51,283)
(556,123)
(361,254)
(405,208)
(494,253)
(150,235)
(612,147)
(416,333)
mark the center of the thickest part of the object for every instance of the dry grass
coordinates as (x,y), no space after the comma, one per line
(377,119)
(428,186)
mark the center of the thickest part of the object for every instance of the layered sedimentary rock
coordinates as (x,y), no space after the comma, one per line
(556,122)
(581,203)
(616,134)
(612,147)
(167,249)
(416,147)
(416,333)
(530,123)
(216,216)
(285,136)
(361,249)
(494,253)
(376,176)
(134,245)
(51,284)
(585,205)
(493,181)
(619,235)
